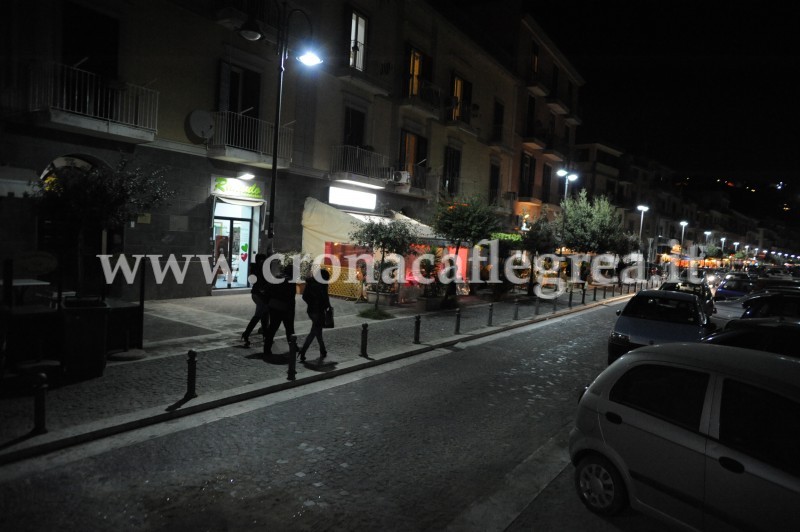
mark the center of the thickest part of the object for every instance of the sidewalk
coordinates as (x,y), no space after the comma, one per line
(147,386)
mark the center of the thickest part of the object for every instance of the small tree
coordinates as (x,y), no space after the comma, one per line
(81,201)
(466,221)
(590,226)
(393,237)
(539,238)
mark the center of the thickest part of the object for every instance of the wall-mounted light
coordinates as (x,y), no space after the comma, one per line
(247,176)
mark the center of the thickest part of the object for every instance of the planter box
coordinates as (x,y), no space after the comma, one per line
(384,298)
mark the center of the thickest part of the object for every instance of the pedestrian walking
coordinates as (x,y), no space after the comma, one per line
(259,294)
(281,308)
(316,296)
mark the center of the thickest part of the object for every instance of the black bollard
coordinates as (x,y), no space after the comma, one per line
(613,290)
(417,322)
(491,311)
(40,393)
(536,307)
(516,309)
(364,328)
(604,291)
(583,296)
(290,376)
(569,301)
(458,321)
(191,361)
(555,303)
(595,294)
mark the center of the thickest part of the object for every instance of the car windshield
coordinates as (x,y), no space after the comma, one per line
(662,309)
(689,288)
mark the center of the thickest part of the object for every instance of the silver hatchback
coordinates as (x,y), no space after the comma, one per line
(703,436)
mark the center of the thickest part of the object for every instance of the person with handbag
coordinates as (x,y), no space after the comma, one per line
(260,297)
(316,296)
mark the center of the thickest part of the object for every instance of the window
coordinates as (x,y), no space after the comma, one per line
(547,177)
(240,90)
(760,423)
(497,122)
(462,99)
(451,170)
(418,73)
(534,57)
(673,394)
(530,118)
(354,124)
(526,169)
(358,41)
(413,152)
(494,183)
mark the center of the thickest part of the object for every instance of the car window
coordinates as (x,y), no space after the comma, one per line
(673,394)
(662,309)
(761,424)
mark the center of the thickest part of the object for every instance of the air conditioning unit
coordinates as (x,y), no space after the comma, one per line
(401,177)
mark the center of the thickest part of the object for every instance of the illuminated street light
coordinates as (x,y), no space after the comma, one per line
(723,239)
(735,247)
(708,234)
(568,176)
(644,209)
(683,229)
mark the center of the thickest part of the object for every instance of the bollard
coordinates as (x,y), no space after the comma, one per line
(364,328)
(583,296)
(458,321)
(569,301)
(417,321)
(536,306)
(191,361)
(604,292)
(291,375)
(614,290)
(595,294)
(491,311)
(555,303)
(40,393)
(516,309)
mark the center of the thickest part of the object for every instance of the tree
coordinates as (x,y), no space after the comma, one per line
(539,238)
(83,201)
(395,236)
(591,226)
(464,221)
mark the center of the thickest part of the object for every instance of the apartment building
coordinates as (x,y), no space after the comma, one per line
(406,110)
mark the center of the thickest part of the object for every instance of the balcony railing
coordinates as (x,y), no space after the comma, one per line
(358,161)
(426,94)
(60,87)
(234,130)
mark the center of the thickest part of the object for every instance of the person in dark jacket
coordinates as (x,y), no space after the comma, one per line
(259,295)
(316,296)
(281,308)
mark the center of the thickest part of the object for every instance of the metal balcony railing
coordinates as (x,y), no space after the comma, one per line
(358,161)
(358,53)
(235,130)
(62,87)
(426,93)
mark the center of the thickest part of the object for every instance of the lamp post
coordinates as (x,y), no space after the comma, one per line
(568,176)
(735,247)
(643,209)
(251,31)
(708,234)
(723,239)
(684,223)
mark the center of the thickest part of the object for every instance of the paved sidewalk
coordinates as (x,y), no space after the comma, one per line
(148,386)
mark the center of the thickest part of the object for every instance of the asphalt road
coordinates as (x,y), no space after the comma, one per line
(469,438)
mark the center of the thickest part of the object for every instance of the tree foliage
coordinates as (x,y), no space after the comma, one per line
(395,236)
(592,226)
(468,220)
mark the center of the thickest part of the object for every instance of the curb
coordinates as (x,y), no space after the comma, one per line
(68,437)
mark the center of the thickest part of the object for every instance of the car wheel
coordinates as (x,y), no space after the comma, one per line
(600,486)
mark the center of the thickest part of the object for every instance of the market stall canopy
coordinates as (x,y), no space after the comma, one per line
(323,223)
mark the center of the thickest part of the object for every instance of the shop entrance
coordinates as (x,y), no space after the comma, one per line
(232,240)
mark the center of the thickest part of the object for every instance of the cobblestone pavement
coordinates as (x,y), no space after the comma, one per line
(155,382)
(427,446)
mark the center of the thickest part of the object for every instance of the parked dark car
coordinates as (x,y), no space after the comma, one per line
(763,334)
(733,288)
(657,317)
(701,290)
(778,304)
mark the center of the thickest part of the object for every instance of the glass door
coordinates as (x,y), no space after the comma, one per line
(231,245)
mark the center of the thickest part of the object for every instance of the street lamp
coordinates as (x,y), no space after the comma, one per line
(251,31)
(735,247)
(644,209)
(723,244)
(708,234)
(568,176)
(683,229)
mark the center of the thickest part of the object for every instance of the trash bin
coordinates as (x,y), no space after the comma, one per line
(85,326)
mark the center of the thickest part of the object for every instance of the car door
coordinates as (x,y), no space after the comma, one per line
(653,421)
(753,464)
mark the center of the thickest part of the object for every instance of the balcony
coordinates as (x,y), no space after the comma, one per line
(557,105)
(460,116)
(573,119)
(536,84)
(365,70)
(535,136)
(425,99)
(555,150)
(62,97)
(243,139)
(359,166)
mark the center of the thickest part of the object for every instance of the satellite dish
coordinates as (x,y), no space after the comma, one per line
(201,124)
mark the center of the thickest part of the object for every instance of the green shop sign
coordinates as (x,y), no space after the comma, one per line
(236,188)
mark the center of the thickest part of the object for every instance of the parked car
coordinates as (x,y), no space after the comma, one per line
(702,290)
(655,317)
(733,288)
(764,334)
(784,304)
(731,309)
(703,436)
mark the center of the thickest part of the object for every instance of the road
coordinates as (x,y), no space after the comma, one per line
(467,438)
